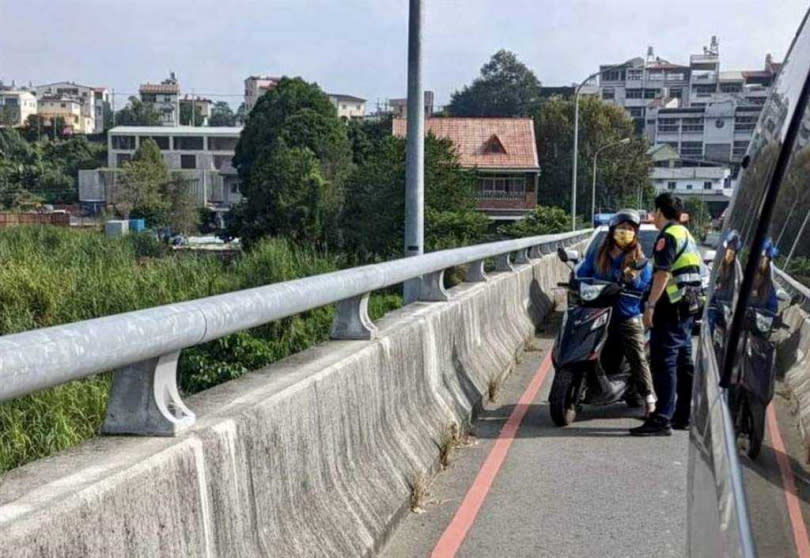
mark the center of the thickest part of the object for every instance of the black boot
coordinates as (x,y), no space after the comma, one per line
(656,425)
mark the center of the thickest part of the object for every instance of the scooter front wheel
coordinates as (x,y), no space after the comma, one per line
(563,398)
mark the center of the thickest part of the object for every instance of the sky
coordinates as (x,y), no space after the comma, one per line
(359,47)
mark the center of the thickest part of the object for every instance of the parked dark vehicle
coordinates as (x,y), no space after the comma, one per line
(585,370)
(740,356)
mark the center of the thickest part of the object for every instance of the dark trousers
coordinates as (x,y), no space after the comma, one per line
(671,363)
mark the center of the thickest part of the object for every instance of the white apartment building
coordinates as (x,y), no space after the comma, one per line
(348,106)
(255,87)
(710,184)
(16,105)
(164,97)
(201,155)
(92,100)
(69,109)
(399,107)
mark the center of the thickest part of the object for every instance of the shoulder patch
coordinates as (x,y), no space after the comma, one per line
(660,245)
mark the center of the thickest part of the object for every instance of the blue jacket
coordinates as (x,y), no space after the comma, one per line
(626,306)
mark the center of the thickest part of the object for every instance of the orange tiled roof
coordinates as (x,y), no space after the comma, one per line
(472,136)
(159,88)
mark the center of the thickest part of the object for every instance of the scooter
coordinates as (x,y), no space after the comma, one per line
(585,370)
(752,392)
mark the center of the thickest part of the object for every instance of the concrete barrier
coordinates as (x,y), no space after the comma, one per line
(315,455)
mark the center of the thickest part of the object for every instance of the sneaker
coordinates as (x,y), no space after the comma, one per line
(678,424)
(656,425)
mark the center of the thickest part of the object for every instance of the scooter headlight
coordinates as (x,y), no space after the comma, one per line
(589,293)
(601,321)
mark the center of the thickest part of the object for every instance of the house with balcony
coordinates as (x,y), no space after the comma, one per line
(503,154)
(93,101)
(164,98)
(199,155)
(69,109)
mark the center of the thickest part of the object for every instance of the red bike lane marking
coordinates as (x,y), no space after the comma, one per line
(789,487)
(456,532)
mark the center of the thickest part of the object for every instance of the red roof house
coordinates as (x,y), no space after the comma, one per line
(502,151)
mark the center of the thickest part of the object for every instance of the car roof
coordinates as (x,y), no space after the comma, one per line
(644,227)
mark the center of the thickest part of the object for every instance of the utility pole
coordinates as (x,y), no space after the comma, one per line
(415,154)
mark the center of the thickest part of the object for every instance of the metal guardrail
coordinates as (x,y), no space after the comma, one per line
(143,346)
(794,288)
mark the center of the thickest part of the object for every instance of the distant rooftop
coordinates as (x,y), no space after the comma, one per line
(159,88)
(347,97)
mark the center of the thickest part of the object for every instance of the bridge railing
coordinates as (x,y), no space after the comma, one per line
(798,292)
(142,347)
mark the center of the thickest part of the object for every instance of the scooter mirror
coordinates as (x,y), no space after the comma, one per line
(562,254)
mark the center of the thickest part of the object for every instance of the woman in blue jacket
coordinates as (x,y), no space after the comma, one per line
(616,261)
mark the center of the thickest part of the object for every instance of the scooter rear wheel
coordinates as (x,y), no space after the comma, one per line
(563,398)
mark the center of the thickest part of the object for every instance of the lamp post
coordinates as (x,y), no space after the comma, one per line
(624,141)
(576,138)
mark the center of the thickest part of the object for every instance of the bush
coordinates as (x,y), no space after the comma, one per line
(544,220)
(52,276)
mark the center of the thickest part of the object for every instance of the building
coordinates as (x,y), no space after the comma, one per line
(503,154)
(255,87)
(712,185)
(644,86)
(348,106)
(69,109)
(16,105)
(203,106)
(199,155)
(399,107)
(93,101)
(164,98)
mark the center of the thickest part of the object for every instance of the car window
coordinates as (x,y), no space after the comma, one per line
(766,229)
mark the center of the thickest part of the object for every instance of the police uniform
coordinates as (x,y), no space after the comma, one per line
(675,252)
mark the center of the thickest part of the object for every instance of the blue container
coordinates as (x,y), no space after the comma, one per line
(137,225)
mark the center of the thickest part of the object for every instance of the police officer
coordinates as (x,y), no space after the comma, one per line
(673,302)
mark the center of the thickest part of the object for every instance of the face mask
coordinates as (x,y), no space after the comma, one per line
(624,238)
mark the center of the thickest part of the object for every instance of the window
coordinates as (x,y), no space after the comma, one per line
(613,75)
(676,92)
(688,186)
(707,185)
(731,87)
(740,147)
(676,76)
(62,105)
(636,112)
(671,185)
(635,75)
(188,161)
(123,142)
(693,125)
(651,93)
(692,149)
(655,76)
(234,188)
(222,144)
(502,187)
(668,125)
(608,93)
(161,141)
(122,158)
(188,143)
(634,94)
(704,90)
(221,161)
(745,123)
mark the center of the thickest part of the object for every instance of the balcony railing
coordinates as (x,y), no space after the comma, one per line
(500,195)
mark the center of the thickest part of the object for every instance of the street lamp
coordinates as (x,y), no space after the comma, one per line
(576,138)
(624,141)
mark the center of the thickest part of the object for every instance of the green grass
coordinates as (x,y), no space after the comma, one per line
(51,276)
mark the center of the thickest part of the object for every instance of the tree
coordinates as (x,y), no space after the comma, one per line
(222,115)
(183,214)
(186,117)
(623,170)
(142,184)
(374,215)
(543,220)
(8,115)
(294,154)
(137,113)
(506,87)
(241,114)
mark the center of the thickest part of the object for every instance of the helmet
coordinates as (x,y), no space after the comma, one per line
(626,216)
(731,240)
(769,249)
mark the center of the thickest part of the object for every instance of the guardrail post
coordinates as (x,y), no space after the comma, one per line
(522,256)
(535,252)
(502,263)
(352,321)
(144,400)
(432,287)
(475,272)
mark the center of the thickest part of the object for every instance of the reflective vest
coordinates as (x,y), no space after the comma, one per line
(685,270)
